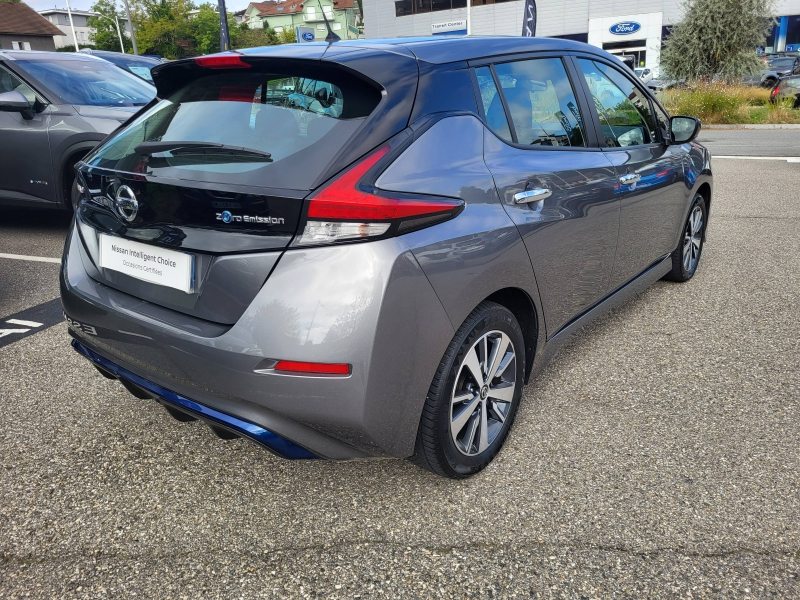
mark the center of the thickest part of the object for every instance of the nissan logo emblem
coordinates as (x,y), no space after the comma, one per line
(125,203)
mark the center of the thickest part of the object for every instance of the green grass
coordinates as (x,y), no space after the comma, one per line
(728,104)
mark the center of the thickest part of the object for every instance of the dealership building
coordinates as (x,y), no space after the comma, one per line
(631,27)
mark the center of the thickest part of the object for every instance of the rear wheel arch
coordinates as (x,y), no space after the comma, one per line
(705,191)
(66,171)
(524,309)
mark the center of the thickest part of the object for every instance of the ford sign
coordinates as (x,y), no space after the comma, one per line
(307,36)
(625,27)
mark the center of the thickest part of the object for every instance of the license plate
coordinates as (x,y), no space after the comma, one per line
(148,263)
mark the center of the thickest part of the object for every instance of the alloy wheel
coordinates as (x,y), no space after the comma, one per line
(483,393)
(692,240)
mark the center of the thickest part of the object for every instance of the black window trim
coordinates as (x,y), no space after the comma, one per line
(596,118)
(590,132)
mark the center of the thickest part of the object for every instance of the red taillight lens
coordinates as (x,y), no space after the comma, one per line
(344,211)
(341,199)
(222,61)
(775,91)
(291,366)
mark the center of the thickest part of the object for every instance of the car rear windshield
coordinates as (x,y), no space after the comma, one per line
(90,82)
(243,128)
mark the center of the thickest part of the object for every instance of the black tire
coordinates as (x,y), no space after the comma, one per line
(679,271)
(435,448)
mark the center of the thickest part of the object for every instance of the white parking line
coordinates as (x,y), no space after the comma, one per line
(791,159)
(25,323)
(5,332)
(33,258)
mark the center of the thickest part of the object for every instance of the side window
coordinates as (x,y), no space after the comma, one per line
(623,109)
(11,83)
(492,104)
(540,98)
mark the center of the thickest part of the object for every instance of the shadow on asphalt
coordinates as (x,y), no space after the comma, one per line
(34,218)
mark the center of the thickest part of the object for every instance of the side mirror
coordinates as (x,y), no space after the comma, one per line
(16,102)
(684,129)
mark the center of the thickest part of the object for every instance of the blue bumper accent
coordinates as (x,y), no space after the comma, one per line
(272,441)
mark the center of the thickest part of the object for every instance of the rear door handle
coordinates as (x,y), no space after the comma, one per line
(629,178)
(534,195)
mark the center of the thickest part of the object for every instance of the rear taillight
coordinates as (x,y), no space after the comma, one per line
(350,208)
(775,90)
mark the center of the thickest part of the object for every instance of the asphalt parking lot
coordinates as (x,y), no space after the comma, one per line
(657,456)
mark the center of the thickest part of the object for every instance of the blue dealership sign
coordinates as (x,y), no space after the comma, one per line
(625,27)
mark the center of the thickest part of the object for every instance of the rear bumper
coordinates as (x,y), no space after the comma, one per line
(368,305)
(280,446)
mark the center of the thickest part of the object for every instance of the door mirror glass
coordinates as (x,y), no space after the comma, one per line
(13,102)
(684,129)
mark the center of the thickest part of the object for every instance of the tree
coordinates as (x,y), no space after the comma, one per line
(163,27)
(717,38)
(253,38)
(205,30)
(105,36)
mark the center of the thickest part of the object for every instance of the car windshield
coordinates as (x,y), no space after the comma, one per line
(136,66)
(781,64)
(90,82)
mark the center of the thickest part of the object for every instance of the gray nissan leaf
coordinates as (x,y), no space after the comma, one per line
(382,279)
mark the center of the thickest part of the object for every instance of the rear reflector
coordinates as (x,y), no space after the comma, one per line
(291,366)
(222,61)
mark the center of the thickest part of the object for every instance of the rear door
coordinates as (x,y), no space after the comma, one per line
(650,172)
(556,185)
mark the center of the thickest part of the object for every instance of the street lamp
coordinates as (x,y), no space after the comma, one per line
(119,33)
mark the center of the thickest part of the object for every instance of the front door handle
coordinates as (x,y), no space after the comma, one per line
(630,178)
(534,195)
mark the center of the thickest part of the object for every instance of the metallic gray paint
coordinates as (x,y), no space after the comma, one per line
(391,307)
(356,303)
(652,209)
(570,236)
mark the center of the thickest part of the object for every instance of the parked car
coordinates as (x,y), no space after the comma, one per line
(644,74)
(384,282)
(787,89)
(777,68)
(139,65)
(54,108)
(660,85)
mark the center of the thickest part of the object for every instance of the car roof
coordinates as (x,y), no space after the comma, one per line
(43,55)
(438,49)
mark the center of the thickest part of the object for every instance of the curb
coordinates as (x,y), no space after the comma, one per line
(754,126)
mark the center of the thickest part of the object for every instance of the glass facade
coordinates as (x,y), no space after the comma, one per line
(415,7)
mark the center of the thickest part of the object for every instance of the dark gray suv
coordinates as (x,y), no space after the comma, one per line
(382,280)
(54,108)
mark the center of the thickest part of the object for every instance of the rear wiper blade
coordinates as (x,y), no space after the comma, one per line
(145,148)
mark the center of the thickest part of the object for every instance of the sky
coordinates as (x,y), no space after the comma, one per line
(231,5)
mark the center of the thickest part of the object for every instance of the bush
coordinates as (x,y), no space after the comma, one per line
(715,102)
